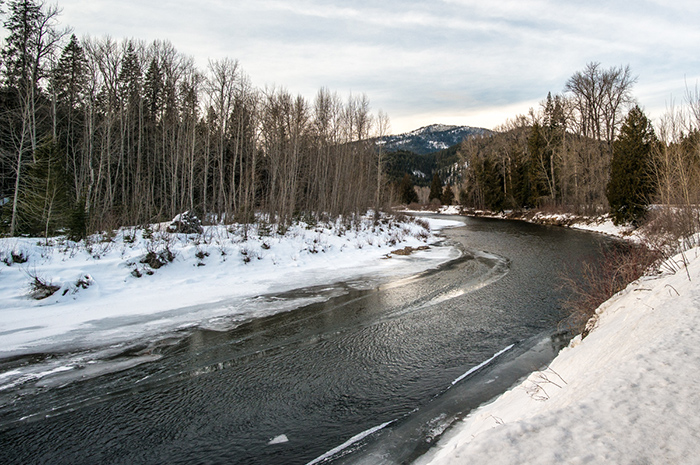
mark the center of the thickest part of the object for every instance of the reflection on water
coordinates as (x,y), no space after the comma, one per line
(319,376)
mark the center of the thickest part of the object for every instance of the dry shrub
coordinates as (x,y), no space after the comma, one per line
(423,223)
(620,264)
(40,288)
(672,229)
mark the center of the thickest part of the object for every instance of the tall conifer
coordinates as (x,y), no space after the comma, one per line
(435,188)
(631,186)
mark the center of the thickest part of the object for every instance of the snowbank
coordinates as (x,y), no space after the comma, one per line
(601,224)
(625,394)
(124,286)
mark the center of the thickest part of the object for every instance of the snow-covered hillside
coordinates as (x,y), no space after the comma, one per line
(138,283)
(625,394)
(430,138)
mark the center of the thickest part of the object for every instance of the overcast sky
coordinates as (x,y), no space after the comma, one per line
(463,62)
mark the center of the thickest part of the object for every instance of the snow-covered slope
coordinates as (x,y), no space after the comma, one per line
(626,394)
(107,294)
(430,138)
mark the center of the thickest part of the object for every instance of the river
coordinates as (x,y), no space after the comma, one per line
(373,374)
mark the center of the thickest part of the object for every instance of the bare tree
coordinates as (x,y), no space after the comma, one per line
(222,84)
(33,37)
(599,97)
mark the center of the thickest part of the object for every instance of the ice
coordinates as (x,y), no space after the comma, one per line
(482,364)
(281,439)
(357,438)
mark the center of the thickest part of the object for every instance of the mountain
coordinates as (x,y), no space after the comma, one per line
(430,139)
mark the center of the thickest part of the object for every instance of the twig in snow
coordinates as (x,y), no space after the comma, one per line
(537,392)
(544,379)
(669,292)
(558,375)
(685,263)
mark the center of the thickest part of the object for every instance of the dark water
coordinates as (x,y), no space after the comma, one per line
(319,375)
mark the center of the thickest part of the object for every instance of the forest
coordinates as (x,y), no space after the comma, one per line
(589,150)
(98,133)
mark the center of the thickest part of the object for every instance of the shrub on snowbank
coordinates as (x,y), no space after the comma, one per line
(137,251)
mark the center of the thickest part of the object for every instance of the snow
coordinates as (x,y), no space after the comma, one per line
(357,438)
(601,224)
(216,280)
(627,393)
(431,129)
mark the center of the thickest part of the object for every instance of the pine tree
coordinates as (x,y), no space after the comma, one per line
(406,191)
(448,195)
(435,188)
(491,181)
(69,76)
(631,186)
(68,83)
(45,204)
(18,56)
(153,91)
(538,166)
(77,221)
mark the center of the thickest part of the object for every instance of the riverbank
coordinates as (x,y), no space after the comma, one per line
(602,224)
(627,393)
(140,283)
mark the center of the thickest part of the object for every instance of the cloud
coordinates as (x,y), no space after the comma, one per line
(416,59)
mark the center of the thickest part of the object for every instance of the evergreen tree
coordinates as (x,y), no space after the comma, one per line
(68,84)
(78,221)
(538,166)
(45,204)
(631,186)
(448,195)
(521,189)
(153,91)
(407,193)
(69,77)
(491,181)
(435,188)
(18,56)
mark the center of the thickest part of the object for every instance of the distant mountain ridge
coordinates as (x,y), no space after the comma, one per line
(430,139)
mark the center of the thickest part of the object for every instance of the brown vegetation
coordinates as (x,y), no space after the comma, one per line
(621,264)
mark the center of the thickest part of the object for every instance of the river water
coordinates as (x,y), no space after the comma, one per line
(374,374)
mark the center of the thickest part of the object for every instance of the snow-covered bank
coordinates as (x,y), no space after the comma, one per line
(600,224)
(627,393)
(107,294)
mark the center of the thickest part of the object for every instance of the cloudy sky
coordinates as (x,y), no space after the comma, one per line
(464,62)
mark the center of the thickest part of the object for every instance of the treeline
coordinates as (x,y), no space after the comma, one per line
(98,133)
(422,167)
(559,154)
(588,150)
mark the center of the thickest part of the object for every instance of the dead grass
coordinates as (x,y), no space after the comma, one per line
(621,264)
(40,288)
